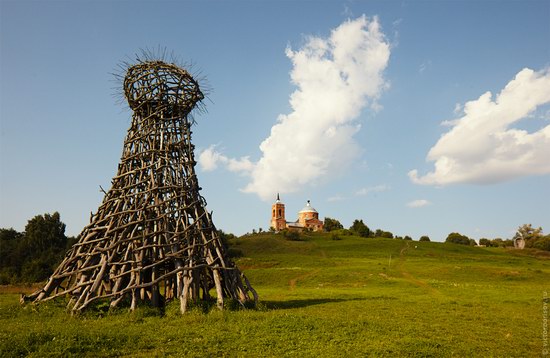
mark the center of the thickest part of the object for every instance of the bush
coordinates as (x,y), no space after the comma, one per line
(360,229)
(407,237)
(542,243)
(332,224)
(8,275)
(485,242)
(342,232)
(424,238)
(498,242)
(292,235)
(456,238)
(36,270)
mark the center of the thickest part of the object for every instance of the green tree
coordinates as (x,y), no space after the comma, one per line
(225,237)
(543,243)
(359,228)
(37,269)
(485,242)
(332,224)
(384,234)
(10,259)
(45,232)
(407,237)
(424,238)
(456,238)
(529,234)
(9,235)
(498,242)
(71,240)
(31,256)
(41,247)
(9,242)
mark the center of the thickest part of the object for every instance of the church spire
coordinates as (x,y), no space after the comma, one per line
(278,221)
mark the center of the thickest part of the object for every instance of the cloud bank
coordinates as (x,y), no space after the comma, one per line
(336,78)
(483,147)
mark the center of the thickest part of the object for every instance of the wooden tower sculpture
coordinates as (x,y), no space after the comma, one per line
(152,238)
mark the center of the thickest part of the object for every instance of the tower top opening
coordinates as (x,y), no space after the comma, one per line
(153,85)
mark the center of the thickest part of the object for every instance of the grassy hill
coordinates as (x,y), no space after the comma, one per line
(323,297)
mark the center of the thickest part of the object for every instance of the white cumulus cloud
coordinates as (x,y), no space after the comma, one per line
(336,78)
(209,159)
(483,146)
(418,203)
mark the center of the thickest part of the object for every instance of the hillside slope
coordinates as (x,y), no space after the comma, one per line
(321,298)
(454,298)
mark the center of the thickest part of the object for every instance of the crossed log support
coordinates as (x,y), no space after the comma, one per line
(151,239)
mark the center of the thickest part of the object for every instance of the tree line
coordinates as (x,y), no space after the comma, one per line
(533,237)
(359,228)
(32,255)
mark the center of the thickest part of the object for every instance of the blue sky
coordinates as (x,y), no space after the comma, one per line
(62,124)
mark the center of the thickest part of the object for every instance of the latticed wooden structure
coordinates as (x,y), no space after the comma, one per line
(152,238)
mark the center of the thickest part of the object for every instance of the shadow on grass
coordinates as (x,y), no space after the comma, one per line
(289,304)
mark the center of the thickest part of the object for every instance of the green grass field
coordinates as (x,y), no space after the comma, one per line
(322,297)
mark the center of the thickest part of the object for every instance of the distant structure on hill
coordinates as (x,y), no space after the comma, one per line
(308,218)
(519,243)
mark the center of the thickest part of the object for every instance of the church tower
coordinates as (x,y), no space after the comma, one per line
(278,221)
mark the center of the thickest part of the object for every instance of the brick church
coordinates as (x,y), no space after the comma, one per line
(308,218)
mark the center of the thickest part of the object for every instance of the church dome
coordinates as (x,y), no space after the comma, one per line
(308,209)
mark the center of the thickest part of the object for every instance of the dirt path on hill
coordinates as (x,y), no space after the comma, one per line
(292,282)
(407,276)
